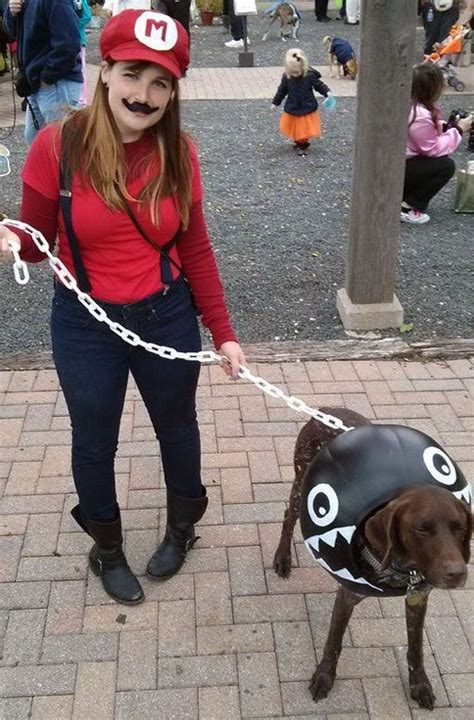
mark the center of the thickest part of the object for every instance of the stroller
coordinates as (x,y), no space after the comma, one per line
(444,51)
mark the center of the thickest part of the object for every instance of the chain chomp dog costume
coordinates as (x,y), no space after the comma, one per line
(352,477)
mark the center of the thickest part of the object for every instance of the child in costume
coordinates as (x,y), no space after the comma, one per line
(300,120)
(342,51)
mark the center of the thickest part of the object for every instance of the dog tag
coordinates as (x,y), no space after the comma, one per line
(414,597)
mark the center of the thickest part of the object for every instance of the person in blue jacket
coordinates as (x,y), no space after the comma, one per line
(47,33)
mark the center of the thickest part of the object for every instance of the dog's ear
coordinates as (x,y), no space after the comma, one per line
(466,544)
(382,531)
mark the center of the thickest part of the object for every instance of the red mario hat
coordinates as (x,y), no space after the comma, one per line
(146,35)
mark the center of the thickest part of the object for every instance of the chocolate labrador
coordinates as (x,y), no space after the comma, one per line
(415,538)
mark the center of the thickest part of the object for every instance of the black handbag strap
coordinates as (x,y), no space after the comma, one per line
(21,72)
(19,41)
(166,260)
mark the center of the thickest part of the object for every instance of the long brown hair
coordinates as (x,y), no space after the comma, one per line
(92,146)
(426,88)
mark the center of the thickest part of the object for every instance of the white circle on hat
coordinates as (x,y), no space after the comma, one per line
(156,31)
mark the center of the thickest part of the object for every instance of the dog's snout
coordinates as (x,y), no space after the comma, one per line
(455,573)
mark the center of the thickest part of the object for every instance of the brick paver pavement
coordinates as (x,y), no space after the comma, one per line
(225,638)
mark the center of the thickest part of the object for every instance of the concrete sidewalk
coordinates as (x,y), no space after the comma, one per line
(200,84)
(225,639)
(257,83)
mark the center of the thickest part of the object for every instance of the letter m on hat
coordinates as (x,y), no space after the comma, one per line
(157,31)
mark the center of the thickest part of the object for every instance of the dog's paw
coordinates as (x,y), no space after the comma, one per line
(321,684)
(422,692)
(282,564)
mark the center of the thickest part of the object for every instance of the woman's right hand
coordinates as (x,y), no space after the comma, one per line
(16,7)
(6,236)
(465,123)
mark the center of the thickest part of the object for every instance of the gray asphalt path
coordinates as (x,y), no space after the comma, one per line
(279,225)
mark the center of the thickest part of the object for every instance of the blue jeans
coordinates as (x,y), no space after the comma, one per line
(93,366)
(50,103)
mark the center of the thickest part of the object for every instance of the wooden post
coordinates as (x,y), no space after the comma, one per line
(383,99)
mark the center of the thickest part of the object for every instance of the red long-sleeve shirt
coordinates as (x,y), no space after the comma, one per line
(122,267)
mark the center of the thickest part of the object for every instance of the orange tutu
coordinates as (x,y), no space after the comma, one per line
(300,127)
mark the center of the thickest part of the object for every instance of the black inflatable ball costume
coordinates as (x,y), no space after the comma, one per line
(353,476)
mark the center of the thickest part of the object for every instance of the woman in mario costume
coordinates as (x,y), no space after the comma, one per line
(131,229)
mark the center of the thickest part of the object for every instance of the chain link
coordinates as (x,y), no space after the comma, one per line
(20,269)
(204,356)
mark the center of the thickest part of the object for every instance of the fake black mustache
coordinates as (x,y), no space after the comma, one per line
(140,107)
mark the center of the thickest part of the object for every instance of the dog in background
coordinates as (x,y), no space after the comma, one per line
(341,53)
(289,19)
(417,540)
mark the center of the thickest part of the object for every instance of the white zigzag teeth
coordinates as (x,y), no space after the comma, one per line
(465,493)
(330,537)
(346,575)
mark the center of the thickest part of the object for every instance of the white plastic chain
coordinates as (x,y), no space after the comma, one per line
(204,356)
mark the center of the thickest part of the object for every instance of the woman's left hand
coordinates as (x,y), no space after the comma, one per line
(234,353)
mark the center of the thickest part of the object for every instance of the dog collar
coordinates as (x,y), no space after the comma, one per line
(395,575)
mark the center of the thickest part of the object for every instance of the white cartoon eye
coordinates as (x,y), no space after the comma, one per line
(440,466)
(323,505)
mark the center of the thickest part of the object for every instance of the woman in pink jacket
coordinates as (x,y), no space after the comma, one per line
(429,143)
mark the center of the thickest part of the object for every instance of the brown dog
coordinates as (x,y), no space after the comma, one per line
(343,58)
(424,527)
